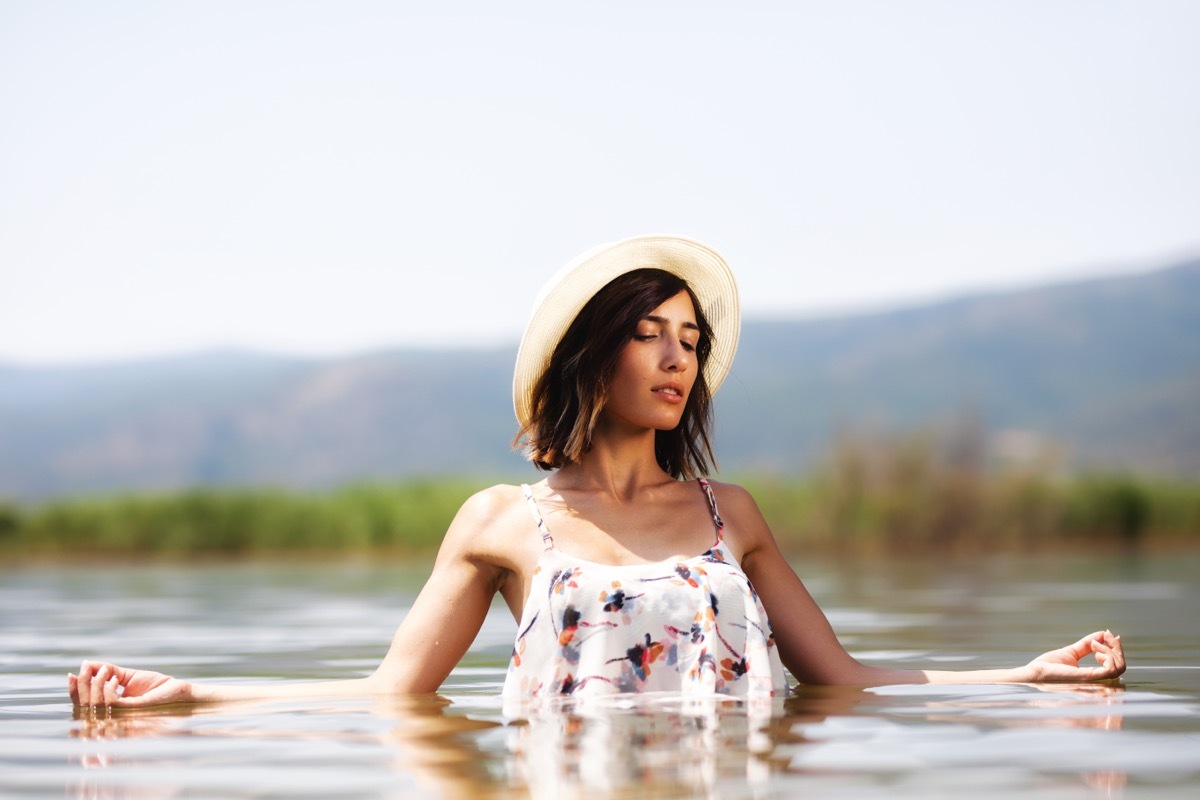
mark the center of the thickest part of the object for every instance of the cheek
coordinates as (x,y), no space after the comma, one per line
(632,367)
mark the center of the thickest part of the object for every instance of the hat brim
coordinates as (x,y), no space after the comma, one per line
(569,290)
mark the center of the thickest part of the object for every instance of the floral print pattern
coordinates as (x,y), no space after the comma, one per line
(694,626)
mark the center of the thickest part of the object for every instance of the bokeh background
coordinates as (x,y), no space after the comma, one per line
(263,266)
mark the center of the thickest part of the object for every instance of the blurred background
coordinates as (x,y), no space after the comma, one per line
(264,266)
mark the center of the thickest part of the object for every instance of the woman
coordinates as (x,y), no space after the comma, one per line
(625,569)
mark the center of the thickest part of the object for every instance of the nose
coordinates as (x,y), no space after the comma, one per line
(677,358)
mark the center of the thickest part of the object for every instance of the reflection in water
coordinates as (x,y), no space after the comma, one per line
(653,745)
(657,745)
(438,751)
(938,729)
(234,622)
(443,750)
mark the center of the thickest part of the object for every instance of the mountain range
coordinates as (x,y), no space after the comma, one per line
(1104,372)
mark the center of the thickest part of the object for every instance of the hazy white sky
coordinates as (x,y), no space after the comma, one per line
(328,177)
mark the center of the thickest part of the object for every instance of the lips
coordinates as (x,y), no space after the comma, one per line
(671,391)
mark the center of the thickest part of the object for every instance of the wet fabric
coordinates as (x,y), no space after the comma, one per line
(693,626)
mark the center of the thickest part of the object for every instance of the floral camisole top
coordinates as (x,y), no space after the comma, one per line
(693,626)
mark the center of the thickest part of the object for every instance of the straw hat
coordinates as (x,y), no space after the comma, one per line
(568,291)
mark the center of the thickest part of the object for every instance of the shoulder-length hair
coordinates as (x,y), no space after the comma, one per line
(570,395)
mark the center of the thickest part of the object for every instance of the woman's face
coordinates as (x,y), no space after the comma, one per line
(657,368)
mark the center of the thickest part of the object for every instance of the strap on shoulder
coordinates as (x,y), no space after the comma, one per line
(547,539)
(712,504)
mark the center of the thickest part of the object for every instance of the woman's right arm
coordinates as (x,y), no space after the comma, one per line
(434,635)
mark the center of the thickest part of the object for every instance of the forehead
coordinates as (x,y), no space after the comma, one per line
(678,308)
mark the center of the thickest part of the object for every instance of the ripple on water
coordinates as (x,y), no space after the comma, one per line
(903,741)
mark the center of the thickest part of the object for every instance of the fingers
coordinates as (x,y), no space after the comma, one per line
(1085,645)
(1098,644)
(81,686)
(112,688)
(1109,654)
(1115,656)
(96,685)
(1065,664)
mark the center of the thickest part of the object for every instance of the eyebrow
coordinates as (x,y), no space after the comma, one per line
(664,321)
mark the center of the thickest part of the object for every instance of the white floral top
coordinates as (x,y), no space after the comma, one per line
(694,626)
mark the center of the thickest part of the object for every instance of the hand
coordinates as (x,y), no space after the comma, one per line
(1062,665)
(110,686)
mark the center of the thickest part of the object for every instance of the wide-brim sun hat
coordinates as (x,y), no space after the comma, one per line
(569,290)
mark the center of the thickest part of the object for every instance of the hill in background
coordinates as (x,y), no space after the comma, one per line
(1105,373)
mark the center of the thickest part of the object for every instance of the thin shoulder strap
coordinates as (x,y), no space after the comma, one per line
(712,504)
(547,539)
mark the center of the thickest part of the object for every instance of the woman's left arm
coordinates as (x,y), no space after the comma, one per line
(810,649)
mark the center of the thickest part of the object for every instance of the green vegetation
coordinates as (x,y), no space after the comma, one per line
(903,494)
(920,493)
(949,513)
(407,517)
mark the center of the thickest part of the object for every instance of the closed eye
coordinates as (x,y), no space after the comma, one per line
(649,337)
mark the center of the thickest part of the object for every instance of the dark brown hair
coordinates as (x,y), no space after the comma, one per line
(570,394)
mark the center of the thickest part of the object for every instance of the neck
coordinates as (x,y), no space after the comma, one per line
(620,463)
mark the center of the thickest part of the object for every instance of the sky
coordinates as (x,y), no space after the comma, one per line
(328,178)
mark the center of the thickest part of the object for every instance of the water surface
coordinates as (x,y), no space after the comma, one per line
(253,622)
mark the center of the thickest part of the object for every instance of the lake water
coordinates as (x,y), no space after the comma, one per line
(272,622)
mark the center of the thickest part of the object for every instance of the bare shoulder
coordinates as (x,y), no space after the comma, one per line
(490,503)
(493,525)
(745,528)
(735,502)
